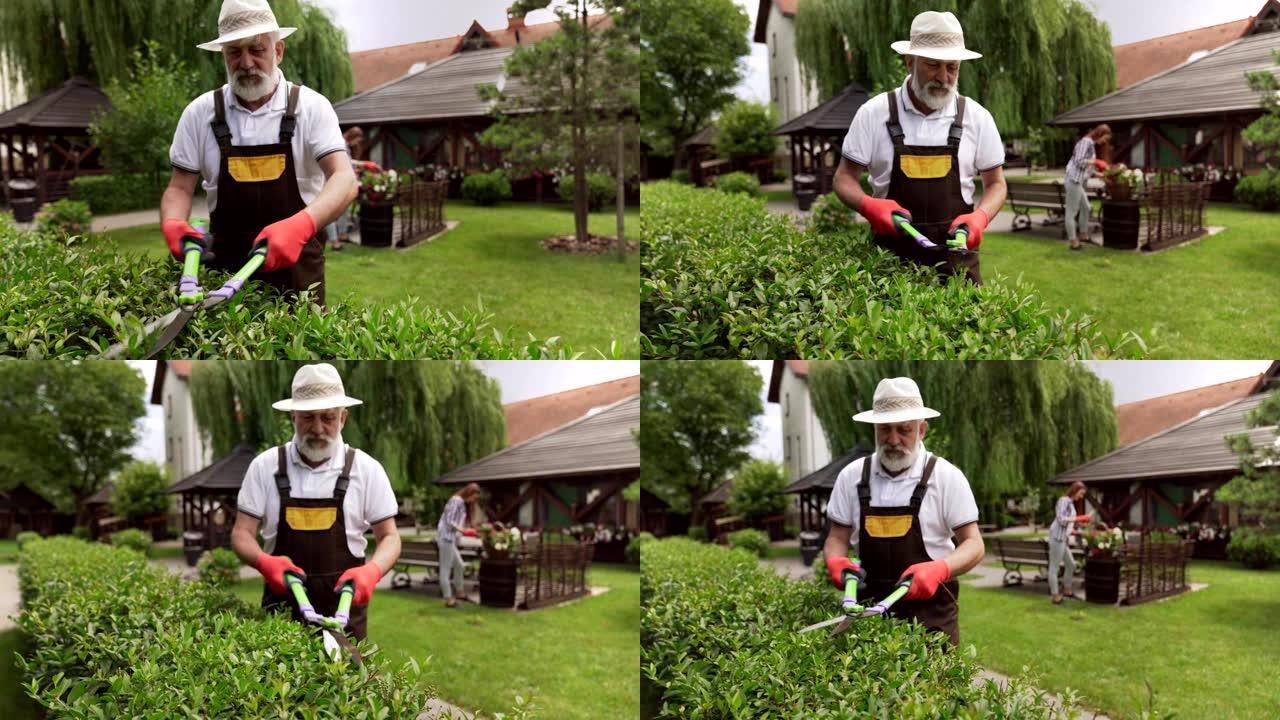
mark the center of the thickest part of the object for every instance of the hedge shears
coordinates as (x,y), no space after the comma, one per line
(191,297)
(852,610)
(335,640)
(957,240)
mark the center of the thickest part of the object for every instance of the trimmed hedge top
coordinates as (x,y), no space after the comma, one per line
(113,636)
(722,277)
(719,639)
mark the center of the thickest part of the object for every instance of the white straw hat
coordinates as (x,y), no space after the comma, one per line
(317,387)
(896,400)
(242,19)
(936,35)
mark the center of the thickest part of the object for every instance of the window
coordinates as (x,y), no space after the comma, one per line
(786,104)
(774,45)
(168,450)
(786,410)
(774,91)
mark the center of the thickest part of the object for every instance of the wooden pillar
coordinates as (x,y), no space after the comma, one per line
(41,193)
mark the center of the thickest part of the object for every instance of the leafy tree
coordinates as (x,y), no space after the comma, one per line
(1257,490)
(1040,57)
(1263,134)
(65,427)
(141,489)
(757,490)
(746,130)
(44,42)
(692,60)
(695,425)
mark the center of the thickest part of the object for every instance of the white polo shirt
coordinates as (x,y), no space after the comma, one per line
(947,504)
(369,498)
(868,143)
(316,134)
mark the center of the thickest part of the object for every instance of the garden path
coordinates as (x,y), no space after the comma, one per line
(9,596)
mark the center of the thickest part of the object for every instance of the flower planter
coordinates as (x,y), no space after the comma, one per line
(1102,580)
(376,221)
(1121,220)
(498,581)
(1120,191)
(1223,190)
(1210,549)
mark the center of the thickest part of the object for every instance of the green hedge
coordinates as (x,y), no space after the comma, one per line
(753,541)
(74,299)
(1254,547)
(602,190)
(110,194)
(134,539)
(722,277)
(1262,191)
(113,636)
(738,182)
(718,639)
(487,188)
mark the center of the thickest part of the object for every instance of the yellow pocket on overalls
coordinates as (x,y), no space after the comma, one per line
(925,167)
(256,169)
(300,518)
(888,526)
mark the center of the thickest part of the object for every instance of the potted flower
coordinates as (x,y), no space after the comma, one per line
(1122,181)
(499,566)
(1102,564)
(377,205)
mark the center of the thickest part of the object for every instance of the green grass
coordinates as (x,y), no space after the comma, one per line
(14,703)
(581,661)
(1205,653)
(494,256)
(8,552)
(1205,299)
(779,196)
(781,552)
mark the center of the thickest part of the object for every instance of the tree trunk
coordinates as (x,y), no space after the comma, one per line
(581,201)
(622,202)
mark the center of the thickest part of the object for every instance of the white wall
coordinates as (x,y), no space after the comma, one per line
(804,447)
(185,450)
(789,94)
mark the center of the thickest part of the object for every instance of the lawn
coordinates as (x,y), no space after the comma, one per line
(1204,653)
(495,257)
(8,551)
(1206,299)
(580,661)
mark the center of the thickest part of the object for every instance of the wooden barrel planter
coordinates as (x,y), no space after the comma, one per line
(1102,580)
(498,581)
(1121,220)
(376,222)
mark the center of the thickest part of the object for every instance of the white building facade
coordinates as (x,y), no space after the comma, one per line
(185,450)
(804,446)
(790,93)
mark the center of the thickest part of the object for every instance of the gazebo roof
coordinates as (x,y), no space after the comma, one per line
(831,117)
(719,495)
(25,497)
(824,478)
(102,497)
(225,473)
(705,136)
(597,443)
(69,107)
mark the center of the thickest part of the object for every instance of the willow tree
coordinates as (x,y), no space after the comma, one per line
(419,419)
(1009,426)
(1039,57)
(45,42)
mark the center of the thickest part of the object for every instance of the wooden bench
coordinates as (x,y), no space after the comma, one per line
(1016,553)
(1026,195)
(424,553)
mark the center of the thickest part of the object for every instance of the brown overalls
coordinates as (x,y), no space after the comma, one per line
(925,180)
(312,533)
(889,541)
(257,186)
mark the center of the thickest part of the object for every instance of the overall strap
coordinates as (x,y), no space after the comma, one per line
(957,127)
(340,487)
(289,121)
(282,472)
(221,130)
(917,496)
(895,127)
(864,487)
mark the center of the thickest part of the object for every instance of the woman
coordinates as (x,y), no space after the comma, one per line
(1084,162)
(340,230)
(1059,532)
(453,523)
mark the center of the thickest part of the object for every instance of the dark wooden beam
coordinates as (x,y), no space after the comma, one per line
(612,490)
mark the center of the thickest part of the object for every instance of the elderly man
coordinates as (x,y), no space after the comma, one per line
(903,505)
(315,498)
(1083,163)
(923,145)
(271,154)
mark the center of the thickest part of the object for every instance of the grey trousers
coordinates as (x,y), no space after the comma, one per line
(1077,202)
(451,568)
(1058,554)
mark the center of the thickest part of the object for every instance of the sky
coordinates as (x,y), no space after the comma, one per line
(1129,20)
(382,23)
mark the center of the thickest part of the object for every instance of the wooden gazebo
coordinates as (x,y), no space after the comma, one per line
(815,489)
(814,138)
(24,509)
(47,139)
(209,497)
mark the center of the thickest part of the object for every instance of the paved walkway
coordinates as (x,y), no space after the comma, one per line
(104,223)
(10,597)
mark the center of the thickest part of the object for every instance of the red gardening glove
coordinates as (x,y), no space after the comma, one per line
(1101,165)
(273,568)
(927,577)
(469,532)
(175,230)
(837,565)
(977,222)
(365,577)
(879,213)
(285,240)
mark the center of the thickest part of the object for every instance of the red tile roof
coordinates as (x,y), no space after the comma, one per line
(1140,60)
(535,416)
(1144,418)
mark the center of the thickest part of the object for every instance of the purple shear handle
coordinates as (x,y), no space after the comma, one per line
(230,288)
(188,284)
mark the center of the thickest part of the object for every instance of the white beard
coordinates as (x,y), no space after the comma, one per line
(250,92)
(897,463)
(932,101)
(313,453)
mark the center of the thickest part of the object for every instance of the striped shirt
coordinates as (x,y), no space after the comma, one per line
(1064,514)
(1080,167)
(454,515)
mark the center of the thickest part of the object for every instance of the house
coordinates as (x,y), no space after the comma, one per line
(185,449)
(790,92)
(804,446)
(535,416)
(24,510)
(1140,60)
(1144,418)
(46,139)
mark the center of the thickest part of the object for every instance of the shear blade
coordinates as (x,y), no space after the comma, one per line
(844,625)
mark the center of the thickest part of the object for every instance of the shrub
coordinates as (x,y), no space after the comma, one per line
(487,188)
(831,215)
(25,537)
(753,541)
(723,278)
(697,533)
(72,300)
(141,490)
(745,129)
(110,194)
(1254,547)
(65,218)
(602,190)
(219,568)
(633,547)
(681,176)
(112,636)
(80,532)
(738,182)
(134,539)
(718,639)
(790,531)
(757,490)
(1261,191)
